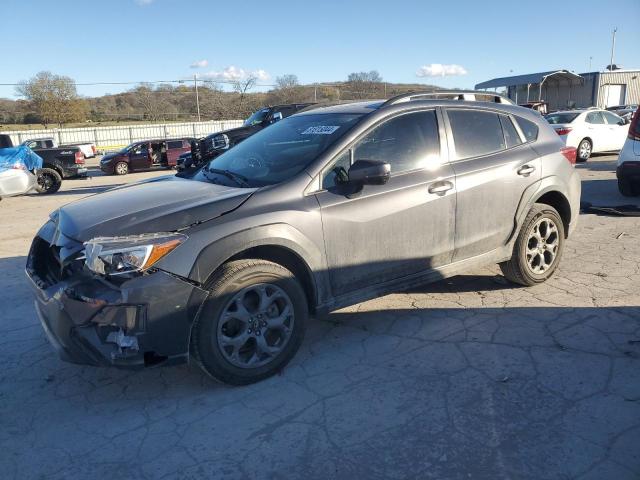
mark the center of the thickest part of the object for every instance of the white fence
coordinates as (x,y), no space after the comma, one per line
(113,138)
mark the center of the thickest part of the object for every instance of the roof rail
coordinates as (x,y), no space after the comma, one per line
(464,95)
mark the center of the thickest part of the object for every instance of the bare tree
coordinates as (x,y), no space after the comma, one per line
(242,86)
(364,84)
(54,97)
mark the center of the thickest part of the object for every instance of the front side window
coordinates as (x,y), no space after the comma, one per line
(476,133)
(611,118)
(405,142)
(278,153)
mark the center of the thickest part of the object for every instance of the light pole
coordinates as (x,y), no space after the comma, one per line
(195,83)
(613,48)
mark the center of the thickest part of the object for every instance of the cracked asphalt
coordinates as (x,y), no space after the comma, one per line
(468,378)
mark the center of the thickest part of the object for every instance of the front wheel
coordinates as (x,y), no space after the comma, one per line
(538,248)
(48,181)
(252,323)
(121,168)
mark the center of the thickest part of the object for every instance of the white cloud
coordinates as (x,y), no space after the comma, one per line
(441,70)
(233,73)
(199,64)
(144,3)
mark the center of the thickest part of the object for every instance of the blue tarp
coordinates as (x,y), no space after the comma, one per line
(10,157)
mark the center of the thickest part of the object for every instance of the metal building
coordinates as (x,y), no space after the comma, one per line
(564,89)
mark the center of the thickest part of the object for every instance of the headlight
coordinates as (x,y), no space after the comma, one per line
(120,255)
(220,142)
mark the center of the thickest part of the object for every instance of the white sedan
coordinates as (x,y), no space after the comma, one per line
(16,181)
(590,131)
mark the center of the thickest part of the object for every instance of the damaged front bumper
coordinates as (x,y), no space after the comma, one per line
(140,321)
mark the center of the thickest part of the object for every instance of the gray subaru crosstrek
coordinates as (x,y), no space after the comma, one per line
(324,209)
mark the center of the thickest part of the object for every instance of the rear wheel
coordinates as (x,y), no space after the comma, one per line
(538,248)
(121,168)
(584,150)
(626,188)
(48,181)
(252,323)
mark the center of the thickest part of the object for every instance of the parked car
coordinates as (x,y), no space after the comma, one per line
(89,150)
(324,209)
(18,168)
(623,108)
(144,155)
(541,107)
(589,130)
(213,145)
(628,167)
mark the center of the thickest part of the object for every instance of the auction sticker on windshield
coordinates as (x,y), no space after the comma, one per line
(320,130)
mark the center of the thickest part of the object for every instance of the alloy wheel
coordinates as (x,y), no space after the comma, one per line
(542,245)
(256,325)
(584,151)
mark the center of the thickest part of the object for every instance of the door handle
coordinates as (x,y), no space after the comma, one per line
(440,188)
(526,170)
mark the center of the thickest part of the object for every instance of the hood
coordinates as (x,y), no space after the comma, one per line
(237,132)
(162,204)
(109,156)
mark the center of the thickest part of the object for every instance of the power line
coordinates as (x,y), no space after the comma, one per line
(85,84)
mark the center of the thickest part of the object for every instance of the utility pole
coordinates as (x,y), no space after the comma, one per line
(613,48)
(195,83)
(590,60)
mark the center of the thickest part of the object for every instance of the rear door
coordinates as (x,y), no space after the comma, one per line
(598,130)
(389,231)
(493,165)
(175,148)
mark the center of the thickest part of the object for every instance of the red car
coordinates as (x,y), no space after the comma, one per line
(145,154)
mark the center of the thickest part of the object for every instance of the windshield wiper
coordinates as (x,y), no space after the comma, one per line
(236,177)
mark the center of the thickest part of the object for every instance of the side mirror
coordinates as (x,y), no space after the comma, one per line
(276,117)
(369,172)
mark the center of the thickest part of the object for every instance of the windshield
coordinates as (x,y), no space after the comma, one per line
(280,151)
(556,118)
(257,117)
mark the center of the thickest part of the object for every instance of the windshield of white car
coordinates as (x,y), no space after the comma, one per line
(557,118)
(280,151)
(257,117)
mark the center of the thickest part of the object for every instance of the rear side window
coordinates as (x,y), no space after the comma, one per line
(174,144)
(511,136)
(595,118)
(529,128)
(611,118)
(476,133)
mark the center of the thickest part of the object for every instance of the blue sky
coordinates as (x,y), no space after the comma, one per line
(144,40)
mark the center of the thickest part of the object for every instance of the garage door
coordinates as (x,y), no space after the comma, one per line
(614,95)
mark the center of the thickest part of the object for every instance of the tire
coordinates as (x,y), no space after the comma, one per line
(584,150)
(48,181)
(121,168)
(535,258)
(226,340)
(626,188)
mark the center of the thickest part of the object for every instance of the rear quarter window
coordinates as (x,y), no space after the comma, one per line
(529,128)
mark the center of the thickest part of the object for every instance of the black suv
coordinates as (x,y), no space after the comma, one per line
(324,209)
(213,145)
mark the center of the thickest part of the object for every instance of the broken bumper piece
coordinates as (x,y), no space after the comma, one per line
(144,321)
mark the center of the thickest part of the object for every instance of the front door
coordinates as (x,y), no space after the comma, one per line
(389,231)
(618,130)
(493,168)
(139,157)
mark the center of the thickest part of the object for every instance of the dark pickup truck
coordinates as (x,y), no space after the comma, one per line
(59,163)
(213,145)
